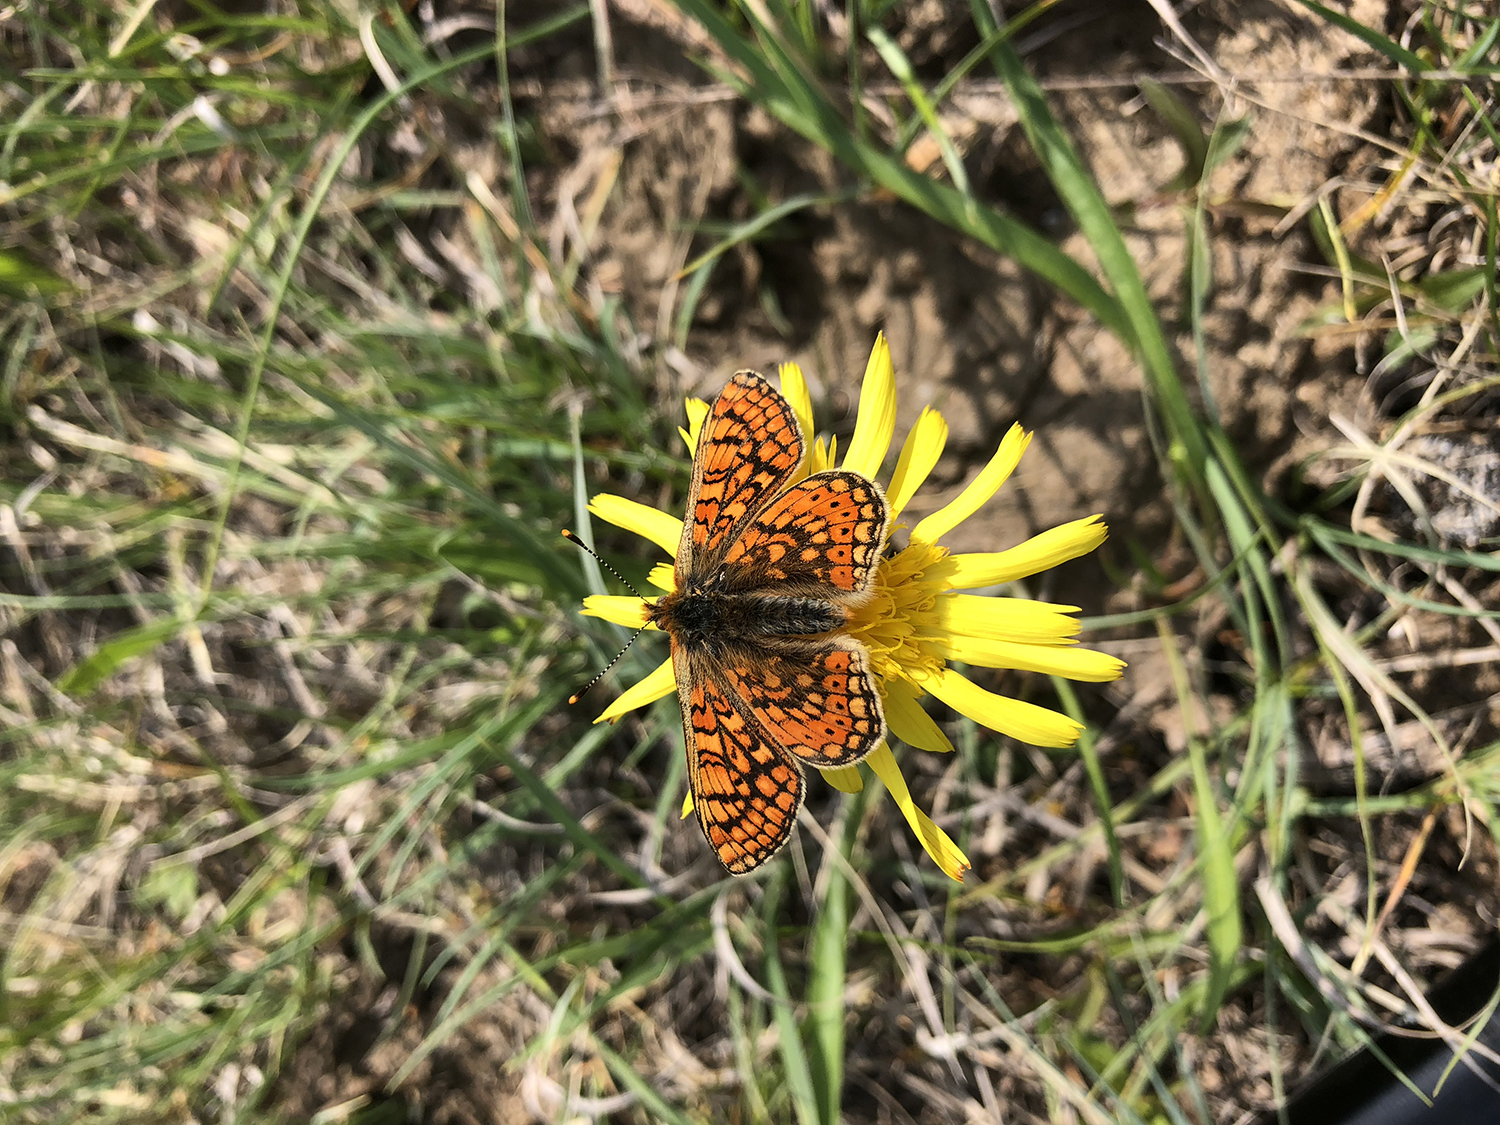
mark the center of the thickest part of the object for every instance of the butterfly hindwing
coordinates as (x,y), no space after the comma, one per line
(819,704)
(746,790)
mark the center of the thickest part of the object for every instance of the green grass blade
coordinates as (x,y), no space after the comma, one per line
(1369,36)
(89,673)
(645,1093)
(576,832)
(751,228)
(1185,127)
(1325,533)
(20,277)
(1088,750)
(794,1059)
(900,67)
(826,978)
(1221,897)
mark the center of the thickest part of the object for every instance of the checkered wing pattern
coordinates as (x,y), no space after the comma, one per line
(825,532)
(749,447)
(820,706)
(746,790)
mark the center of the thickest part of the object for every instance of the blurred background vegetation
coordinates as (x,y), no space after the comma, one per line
(318,321)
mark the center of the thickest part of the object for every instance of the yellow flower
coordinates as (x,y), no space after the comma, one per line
(916,623)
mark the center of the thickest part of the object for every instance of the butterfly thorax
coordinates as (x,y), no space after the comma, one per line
(707,615)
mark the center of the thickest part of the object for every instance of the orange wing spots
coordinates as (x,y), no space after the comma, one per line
(746,790)
(823,708)
(749,448)
(828,529)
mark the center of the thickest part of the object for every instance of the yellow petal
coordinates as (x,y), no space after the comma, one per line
(1068,660)
(663,576)
(979,490)
(697,410)
(659,683)
(1040,552)
(618,609)
(1015,717)
(944,852)
(845,779)
(794,390)
(920,453)
(1005,619)
(662,529)
(817,455)
(909,722)
(687,805)
(875,424)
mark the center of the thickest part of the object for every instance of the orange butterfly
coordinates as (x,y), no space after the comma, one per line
(768,678)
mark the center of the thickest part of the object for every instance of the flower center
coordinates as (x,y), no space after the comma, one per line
(898,624)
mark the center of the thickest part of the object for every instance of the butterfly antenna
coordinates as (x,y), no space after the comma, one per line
(577,542)
(577,695)
(571,538)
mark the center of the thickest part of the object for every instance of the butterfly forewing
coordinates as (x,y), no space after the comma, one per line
(825,531)
(749,447)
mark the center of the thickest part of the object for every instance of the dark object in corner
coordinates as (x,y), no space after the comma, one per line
(1361,1090)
